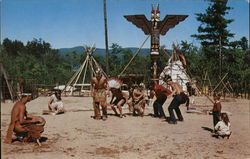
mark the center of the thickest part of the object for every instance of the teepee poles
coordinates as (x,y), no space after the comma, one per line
(84,75)
(100,68)
(89,64)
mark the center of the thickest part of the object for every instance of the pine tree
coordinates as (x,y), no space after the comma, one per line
(213,28)
(214,35)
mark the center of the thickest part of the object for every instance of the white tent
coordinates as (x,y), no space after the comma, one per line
(175,68)
(178,73)
(62,87)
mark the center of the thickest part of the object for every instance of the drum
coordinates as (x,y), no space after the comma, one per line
(41,120)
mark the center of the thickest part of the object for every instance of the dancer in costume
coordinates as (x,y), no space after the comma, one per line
(99,94)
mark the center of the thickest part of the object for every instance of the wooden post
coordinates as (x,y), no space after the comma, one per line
(240,90)
(1,83)
(106,35)
(248,88)
(220,56)
(245,90)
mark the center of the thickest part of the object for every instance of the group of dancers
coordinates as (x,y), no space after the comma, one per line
(31,127)
(99,92)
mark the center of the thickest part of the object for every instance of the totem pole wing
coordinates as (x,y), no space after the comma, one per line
(170,21)
(141,22)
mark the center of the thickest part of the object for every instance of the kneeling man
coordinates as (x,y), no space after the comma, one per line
(23,123)
(138,101)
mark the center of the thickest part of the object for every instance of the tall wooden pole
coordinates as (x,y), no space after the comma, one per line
(155,41)
(106,36)
(1,87)
(220,56)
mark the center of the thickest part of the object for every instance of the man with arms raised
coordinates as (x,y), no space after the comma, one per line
(98,92)
(23,123)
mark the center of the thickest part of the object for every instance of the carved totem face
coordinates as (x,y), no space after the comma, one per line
(155,13)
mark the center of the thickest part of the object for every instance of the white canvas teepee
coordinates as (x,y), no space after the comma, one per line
(89,66)
(175,68)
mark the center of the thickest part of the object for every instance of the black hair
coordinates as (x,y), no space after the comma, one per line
(217,96)
(225,118)
(27,91)
(167,78)
(58,94)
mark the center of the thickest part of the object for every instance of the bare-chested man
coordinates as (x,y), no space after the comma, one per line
(179,98)
(22,123)
(120,99)
(98,92)
(138,101)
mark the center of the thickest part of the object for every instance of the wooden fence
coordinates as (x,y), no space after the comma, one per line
(237,90)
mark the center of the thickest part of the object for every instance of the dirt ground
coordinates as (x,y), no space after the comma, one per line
(75,135)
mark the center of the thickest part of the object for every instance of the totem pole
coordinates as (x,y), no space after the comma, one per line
(155,41)
(154,28)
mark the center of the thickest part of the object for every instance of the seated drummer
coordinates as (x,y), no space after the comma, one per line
(22,122)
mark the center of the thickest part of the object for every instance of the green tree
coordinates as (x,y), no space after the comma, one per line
(213,28)
(194,58)
(75,59)
(37,47)
(115,60)
(242,43)
(36,61)
(214,36)
(12,47)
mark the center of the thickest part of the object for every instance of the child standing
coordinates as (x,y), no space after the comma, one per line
(216,109)
(223,127)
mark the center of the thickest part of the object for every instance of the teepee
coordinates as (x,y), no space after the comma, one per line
(79,78)
(175,68)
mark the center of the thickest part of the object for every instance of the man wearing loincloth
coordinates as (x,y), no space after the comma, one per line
(179,97)
(22,123)
(98,92)
(120,99)
(138,101)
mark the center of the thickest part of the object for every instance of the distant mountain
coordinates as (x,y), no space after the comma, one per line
(77,49)
(101,52)
(143,51)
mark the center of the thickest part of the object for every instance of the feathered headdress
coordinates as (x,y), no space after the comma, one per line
(114,83)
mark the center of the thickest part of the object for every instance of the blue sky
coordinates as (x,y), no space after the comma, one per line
(69,23)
